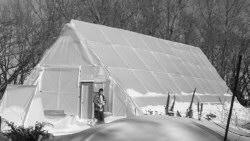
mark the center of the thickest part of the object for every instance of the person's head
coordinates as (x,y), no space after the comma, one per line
(100,91)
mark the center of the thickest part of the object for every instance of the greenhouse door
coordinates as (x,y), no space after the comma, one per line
(86,100)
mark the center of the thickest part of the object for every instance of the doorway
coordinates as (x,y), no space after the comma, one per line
(85,100)
(87,92)
(107,94)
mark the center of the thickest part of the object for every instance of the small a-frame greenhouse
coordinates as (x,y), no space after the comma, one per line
(135,70)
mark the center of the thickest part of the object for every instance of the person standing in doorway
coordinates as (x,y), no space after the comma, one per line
(99,102)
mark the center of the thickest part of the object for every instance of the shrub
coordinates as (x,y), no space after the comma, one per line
(20,133)
(210,116)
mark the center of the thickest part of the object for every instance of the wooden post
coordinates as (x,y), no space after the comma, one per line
(167,105)
(80,101)
(0,123)
(198,110)
(201,110)
(233,97)
(192,100)
(189,112)
(172,107)
(178,114)
(198,107)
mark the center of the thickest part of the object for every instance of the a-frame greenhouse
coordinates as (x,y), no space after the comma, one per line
(135,70)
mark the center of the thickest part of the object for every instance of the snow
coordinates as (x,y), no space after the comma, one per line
(112,118)
(134,93)
(67,125)
(240,114)
(56,125)
(73,124)
(13,114)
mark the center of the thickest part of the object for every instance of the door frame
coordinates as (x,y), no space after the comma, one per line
(89,107)
(90,96)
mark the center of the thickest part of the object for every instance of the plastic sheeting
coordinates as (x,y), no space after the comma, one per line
(21,105)
(130,52)
(131,81)
(59,89)
(142,67)
(68,50)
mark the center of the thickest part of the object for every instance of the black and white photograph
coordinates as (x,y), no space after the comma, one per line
(124,70)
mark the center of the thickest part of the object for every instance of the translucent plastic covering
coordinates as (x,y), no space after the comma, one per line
(149,60)
(131,82)
(122,105)
(15,97)
(183,85)
(150,65)
(167,83)
(61,90)
(119,106)
(130,58)
(107,54)
(135,40)
(93,73)
(149,81)
(113,35)
(67,51)
(31,80)
(91,31)
(166,48)
(142,67)
(194,84)
(152,43)
(17,103)
(35,112)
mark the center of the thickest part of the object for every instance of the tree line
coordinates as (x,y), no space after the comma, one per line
(219,27)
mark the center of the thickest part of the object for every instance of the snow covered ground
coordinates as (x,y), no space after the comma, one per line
(240,114)
(155,128)
(72,124)
(66,125)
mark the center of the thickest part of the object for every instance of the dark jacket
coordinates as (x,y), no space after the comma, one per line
(98,105)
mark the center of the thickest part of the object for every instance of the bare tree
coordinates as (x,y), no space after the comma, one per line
(219,27)
(224,29)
